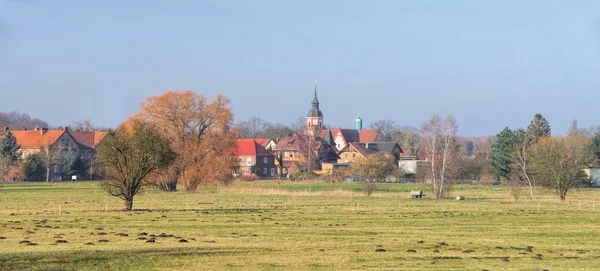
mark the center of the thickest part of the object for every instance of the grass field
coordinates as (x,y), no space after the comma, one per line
(295,226)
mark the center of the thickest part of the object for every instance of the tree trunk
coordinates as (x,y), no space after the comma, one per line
(129,204)
(563,196)
(47,174)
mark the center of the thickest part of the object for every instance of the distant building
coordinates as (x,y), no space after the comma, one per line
(357,150)
(69,144)
(253,159)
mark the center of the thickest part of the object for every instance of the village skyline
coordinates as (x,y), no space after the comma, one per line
(490,64)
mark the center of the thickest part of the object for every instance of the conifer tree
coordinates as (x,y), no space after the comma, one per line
(9,147)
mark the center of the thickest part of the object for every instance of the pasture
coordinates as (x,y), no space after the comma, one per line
(270,225)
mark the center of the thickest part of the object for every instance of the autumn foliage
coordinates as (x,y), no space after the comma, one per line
(199,131)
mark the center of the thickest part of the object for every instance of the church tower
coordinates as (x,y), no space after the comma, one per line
(314,118)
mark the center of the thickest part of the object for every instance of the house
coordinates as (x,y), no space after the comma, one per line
(253,159)
(267,143)
(593,173)
(60,144)
(355,150)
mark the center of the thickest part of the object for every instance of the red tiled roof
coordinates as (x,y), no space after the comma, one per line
(322,133)
(250,147)
(88,138)
(261,141)
(36,139)
(368,136)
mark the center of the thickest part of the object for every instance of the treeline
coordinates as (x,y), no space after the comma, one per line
(534,157)
(18,120)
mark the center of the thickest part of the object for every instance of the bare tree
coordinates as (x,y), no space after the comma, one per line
(130,156)
(558,163)
(521,162)
(438,142)
(84,125)
(51,156)
(387,128)
(298,125)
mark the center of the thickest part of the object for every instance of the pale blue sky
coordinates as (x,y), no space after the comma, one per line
(490,63)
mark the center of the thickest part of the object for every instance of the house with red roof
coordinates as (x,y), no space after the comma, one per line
(61,143)
(253,159)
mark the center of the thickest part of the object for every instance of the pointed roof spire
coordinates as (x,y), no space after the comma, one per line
(315,89)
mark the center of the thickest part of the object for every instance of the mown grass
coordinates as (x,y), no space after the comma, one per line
(295,226)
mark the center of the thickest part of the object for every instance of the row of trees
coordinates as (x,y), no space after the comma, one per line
(177,138)
(533,157)
(20,120)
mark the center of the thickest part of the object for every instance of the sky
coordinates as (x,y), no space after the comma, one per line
(491,64)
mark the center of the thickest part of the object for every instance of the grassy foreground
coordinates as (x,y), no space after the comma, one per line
(294,226)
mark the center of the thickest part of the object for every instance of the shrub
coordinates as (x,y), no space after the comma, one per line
(368,187)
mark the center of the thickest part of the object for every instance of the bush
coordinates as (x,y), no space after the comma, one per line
(248,178)
(368,187)
(33,168)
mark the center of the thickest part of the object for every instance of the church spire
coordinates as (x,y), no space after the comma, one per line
(315,101)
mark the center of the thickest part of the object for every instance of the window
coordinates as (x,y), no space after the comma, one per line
(64,142)
(291,155)
(346,155)
(265,160)
(249,161)
(353,155)
(272,172)
(246,170)
(264,171)
(285,154)
(239,160)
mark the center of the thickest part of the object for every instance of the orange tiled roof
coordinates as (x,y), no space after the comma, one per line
(88,138)
(36,139)
(368,136)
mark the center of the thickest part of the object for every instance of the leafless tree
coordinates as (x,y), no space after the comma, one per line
(20,120)
(298,125)
(84,125)
(51,156)
(388,129)
(521,161)
(438,142)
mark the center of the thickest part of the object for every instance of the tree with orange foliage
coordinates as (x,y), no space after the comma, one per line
(200,134)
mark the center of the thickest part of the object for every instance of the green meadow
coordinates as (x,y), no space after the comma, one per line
(270,225)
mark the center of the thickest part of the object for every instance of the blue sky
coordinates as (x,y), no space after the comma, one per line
(489,63)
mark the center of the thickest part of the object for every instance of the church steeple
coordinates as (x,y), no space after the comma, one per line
(315,101)
(314,118)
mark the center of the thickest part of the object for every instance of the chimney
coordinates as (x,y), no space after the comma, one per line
(65,128)
(5,129)
(36,129)
(43,131)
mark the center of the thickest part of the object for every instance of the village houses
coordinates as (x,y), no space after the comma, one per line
(61,143)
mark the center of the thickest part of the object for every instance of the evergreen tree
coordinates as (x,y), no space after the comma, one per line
(501,153)
(9,147)
(538,128)
(33,168)
(469,148)
(79,167)
(596,144)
